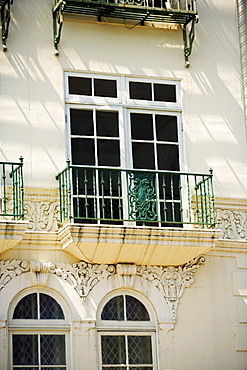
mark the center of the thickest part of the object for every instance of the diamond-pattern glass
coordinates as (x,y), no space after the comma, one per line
(114,367)
(141,368)
(49,308)
(53,368)
(52,349)
(113,349)
(139,349)
(25,368)
(25,349)
(135,310)
(114,309)
(27,308)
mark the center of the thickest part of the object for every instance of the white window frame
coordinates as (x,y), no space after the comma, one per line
(38,326)
(152,104)
(87,99)
(124,105)
(128,327)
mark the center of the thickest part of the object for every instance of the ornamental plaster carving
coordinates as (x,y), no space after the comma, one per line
(42,215)
(10,269)
(233,224)
(82,276)
(171,281)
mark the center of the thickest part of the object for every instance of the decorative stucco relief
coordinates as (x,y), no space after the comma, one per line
(42,215)
(233,224)
(171,281)
(10,269)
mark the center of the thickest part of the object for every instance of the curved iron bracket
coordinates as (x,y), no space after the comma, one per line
(5,20)
(188,36)
(57,12)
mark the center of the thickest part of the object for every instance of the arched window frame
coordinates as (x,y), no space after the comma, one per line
(40,326)
(128,327)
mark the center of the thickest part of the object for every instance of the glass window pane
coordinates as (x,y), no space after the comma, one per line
(140,90)
(52,349)
(85,209)
(82,151)
(81,122)
(141,367)
(25,349)
(166,128)
(80,85)
(171,212)
(168,157)
(52,368)
(139,349)
(25,368)
(107,124)
(113,349)
(106,88)
(108,153)
(49,308)
(135,310)
(141,126)
(114,309)
(143,155)
(163,92)
(27,308)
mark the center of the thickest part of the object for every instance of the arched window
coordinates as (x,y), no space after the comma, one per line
(126,335)
(38,333)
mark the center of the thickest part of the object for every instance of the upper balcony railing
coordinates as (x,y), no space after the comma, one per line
(11,190)
(143,12)
(136,197)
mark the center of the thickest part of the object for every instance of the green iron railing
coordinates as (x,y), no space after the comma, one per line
(11,190)
(137,197)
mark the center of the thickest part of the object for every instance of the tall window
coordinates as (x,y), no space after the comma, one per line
(118,124)
(126,335)
(38,334)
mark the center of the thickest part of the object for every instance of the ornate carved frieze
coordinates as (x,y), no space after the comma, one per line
(10,269)
(42,215)
(233,224)
(82,276)
(171,281)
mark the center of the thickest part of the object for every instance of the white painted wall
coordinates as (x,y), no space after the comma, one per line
(32,122)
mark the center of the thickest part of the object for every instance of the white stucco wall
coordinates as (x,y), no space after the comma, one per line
(32,87)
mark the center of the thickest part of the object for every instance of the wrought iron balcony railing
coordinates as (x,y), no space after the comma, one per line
(143,12)
(11,190)
(136,197)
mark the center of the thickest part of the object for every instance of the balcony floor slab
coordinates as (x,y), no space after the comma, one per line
(137,245)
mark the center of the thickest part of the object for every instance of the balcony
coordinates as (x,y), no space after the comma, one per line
(144,12)
(148,217)
(12,225)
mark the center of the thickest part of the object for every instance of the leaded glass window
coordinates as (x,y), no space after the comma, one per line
(37,344)
(125,345)
(38,306)
(45,351)
(125,307)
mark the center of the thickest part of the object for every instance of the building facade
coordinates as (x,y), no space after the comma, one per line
(123,185)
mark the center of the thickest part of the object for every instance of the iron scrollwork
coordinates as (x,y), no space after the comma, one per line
(142,196)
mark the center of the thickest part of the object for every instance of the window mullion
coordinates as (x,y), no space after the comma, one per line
(39,351)
(38,305)
(126,351)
